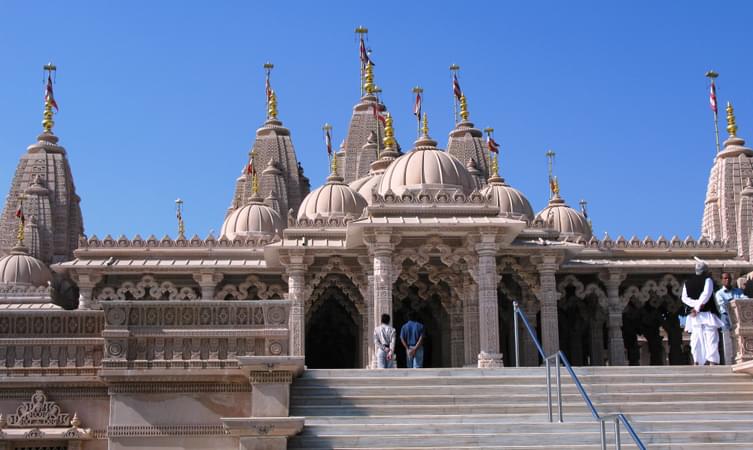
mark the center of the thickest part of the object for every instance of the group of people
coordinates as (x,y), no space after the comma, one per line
(412,337)
(704,317)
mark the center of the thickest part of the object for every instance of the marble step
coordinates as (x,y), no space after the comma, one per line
(505,408)
(517,371)
(299,391)
(551,435)
(712,415)
(535,446)
(441,398)
(570,426)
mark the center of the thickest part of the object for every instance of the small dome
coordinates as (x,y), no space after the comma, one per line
(19,268)
(334,199)
(559,216)
(425,168)
(511,202)
(252,220)
(365,186)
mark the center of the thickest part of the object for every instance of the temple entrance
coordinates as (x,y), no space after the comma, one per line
(436,325)
(332,334)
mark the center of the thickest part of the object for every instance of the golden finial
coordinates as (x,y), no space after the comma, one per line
(369,86)
(334,165)
(272,106)
(49,99)
(179,215)
(389,133)
(463,108)
(495,164)
(425,126)
(254,178)
(731,125)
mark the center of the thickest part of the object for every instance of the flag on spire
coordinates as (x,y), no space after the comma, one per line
(417,105)
(377,114)
(48,96)
(328,140)
(268,87)
(492,144)
(712,97)
(20,214)
(250,168)
(364,54)
(456,87)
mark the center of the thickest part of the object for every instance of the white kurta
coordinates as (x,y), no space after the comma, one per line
(703,328)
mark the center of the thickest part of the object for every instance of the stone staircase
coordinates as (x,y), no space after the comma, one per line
(674,407)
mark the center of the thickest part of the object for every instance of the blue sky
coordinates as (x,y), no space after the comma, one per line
(160,100)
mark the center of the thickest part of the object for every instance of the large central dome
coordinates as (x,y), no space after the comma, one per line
(425,168)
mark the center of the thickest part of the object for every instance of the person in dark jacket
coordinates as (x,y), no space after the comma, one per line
(703,321)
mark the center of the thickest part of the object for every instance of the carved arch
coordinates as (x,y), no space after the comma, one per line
(148,289)
(242,291)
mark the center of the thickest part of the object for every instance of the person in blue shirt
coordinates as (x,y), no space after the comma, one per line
(412,336)
(723,296)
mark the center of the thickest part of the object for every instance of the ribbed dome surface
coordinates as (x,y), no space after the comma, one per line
(334,199)
(566,220)
(252,220)
(19,268)
(511,202)
(425,168)
(365,186)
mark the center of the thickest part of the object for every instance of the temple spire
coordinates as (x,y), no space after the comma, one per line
(270,95)
(389,133)
(554,187)
(731,125)
(179,216)
(49,99)
(368,85)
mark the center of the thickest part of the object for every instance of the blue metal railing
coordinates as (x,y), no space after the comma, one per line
(560,359)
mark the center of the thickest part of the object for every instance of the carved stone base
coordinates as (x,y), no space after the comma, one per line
(267,433)
(490,360)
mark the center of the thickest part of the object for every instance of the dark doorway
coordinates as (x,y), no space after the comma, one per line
(331,334)
(436,325)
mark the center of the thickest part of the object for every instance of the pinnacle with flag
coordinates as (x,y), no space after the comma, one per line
(492,144)
(456,87)
(48,95)
(328,141)
(364,54)
(712,97)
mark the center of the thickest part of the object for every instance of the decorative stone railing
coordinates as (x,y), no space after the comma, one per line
(649,243)
(167,242)
(741,316)
(188,334)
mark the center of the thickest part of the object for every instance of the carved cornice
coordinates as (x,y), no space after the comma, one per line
(166,430)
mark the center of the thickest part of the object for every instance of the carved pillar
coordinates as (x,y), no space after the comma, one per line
(529,354)
(470,324)
(548,295)
(382,246)
(368,299)
(489,356)
(613,279)
(456,334)
(296,264)
(86,283)
(208,283)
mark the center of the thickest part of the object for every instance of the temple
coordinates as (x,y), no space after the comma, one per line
(123,329)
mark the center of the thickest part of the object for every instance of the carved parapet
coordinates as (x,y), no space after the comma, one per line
(169,243)
(648,243)
(741,315)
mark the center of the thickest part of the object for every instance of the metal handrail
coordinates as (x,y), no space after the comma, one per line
(559,360)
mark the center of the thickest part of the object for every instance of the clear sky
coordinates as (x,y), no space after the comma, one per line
(160,100)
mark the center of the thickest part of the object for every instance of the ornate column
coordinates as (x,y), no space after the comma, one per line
(471,347)
(382,245)
(548,295)
(529,354)
(86,283)
(208,283)
(613,279)
(597,340)
(489,356)
(456,334)
(368,298)
(296,263)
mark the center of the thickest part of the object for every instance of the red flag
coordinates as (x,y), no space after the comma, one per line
(492,144)
(712,98)
(417,106)
(268,87)
(250,168)
(381,118)
(20,214)
(456,86)
(328,140)
(48,94)
(364,54)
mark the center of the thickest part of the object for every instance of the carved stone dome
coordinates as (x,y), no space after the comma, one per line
(365,186)
(334,199)
(559,216)
(511,202)
(21,269)
(254,219)
(425,168)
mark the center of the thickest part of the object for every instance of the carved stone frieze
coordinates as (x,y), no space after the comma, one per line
(148,288)
(38,412)
(251,288)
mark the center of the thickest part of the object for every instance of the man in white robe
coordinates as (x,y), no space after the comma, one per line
(703,321)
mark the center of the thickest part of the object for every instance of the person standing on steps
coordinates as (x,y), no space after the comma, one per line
(412,337)
(703,321)
(384,342)
(723,296)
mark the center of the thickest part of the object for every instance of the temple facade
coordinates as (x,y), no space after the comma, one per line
(117,342)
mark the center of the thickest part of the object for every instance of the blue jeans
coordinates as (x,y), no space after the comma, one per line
(417,361)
